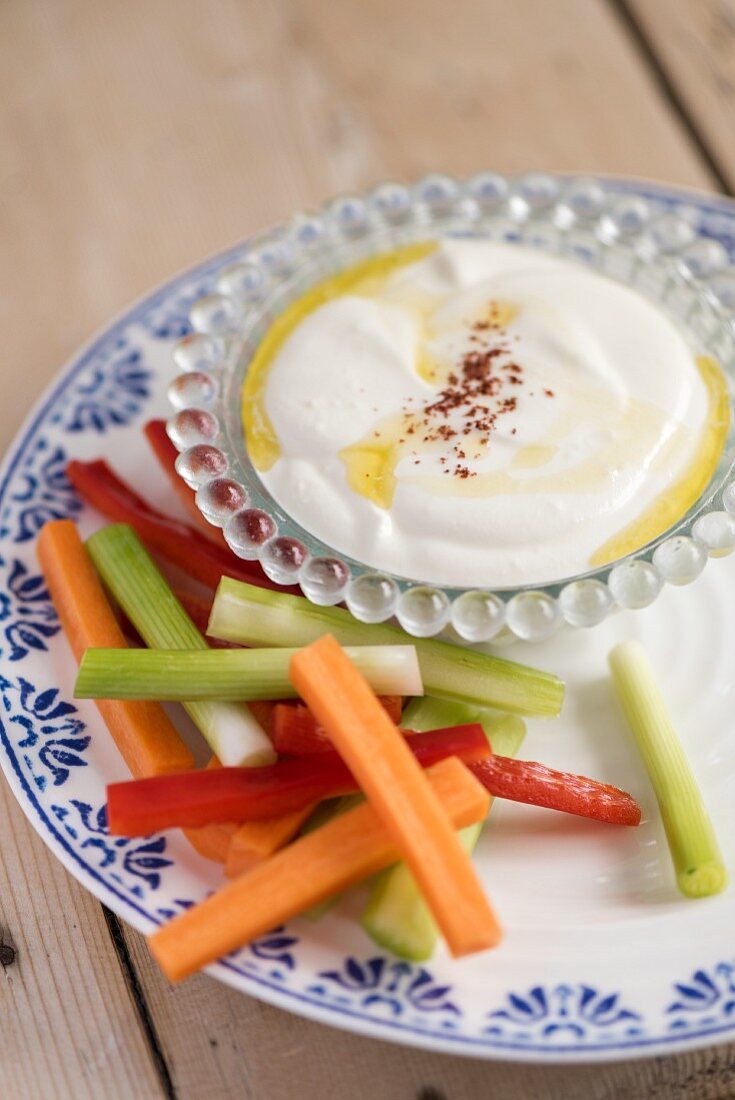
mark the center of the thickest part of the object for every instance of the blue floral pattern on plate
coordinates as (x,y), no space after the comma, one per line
(111,392)
(705,1000)
(566,1012)
(27,617)
(40,492)
(388,988)
(57,765)
(52,739)
(137,863)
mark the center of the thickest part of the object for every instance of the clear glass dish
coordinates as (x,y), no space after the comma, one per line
(659,253)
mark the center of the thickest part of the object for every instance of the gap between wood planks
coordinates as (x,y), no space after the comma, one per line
(646,49)
(141,1005)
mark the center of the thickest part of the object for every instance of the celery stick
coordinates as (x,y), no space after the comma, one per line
(396,916)
(228,674)
(504,731)
(129,572)
(258,617)
(695,853)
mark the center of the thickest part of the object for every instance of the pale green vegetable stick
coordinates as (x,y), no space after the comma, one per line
(396,916)
(229,674)
(143,593)
(258,617)
(696,855)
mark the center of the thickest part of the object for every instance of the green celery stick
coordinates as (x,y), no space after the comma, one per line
(504,731)
(396,916)
(695,853)
(258,617)
(140,589)
(228,674)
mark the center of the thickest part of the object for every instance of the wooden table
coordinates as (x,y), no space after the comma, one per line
(138,136)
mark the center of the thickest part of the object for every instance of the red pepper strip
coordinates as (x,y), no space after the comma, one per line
(535,784)
(179,543)
(295,731)
(198,798)
(166,453)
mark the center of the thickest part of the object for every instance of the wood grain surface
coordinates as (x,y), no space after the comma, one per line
(136,137)
(69,1026)
(695,49)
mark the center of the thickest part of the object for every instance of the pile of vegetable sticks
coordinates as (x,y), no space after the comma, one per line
(247,806)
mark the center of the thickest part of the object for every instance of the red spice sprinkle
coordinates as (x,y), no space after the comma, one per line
(475,393)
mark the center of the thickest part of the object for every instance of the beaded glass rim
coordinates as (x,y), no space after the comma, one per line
(659,253)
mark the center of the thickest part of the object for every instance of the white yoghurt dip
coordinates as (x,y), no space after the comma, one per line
(593,430)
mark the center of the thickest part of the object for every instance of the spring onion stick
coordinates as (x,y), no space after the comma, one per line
(142,592)
(256,617)
(229,674)
(692,842)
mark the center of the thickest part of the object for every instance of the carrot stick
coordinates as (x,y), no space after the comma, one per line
(166,453)
(146,738)
(257,840)
(381,761)
(332,858)
(211,841)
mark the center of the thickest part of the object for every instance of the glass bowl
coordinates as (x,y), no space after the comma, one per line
(660,253)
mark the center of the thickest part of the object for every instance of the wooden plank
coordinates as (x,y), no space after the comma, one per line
(69,1027)
(131,153)
(243,1049)
(693,41)
(468,85)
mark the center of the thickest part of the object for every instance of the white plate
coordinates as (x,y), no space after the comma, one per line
(602,959)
